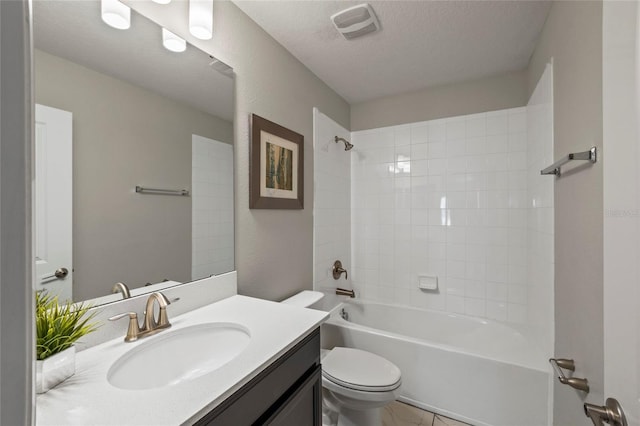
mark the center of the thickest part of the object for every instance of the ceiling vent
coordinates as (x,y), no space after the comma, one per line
(356,21)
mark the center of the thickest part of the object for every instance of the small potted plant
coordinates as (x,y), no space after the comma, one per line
(58,327)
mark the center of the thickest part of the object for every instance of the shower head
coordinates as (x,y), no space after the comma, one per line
(347,144)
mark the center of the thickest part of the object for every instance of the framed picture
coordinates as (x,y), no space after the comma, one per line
(276,170)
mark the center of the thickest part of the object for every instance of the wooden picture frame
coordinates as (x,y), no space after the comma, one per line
(276,166)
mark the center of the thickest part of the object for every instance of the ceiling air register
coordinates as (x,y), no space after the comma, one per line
(356,21)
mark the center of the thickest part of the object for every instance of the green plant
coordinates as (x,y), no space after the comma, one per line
(58,326)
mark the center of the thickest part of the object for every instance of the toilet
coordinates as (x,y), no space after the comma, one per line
(356,384)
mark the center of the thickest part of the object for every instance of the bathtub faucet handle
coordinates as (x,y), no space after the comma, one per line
(339,270)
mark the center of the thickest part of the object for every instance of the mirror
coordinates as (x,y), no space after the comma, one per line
(115,110)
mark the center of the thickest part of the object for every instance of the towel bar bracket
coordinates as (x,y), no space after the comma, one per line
(555,168)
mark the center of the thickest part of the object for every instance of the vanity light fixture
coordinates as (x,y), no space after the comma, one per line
(172,42)
(116,14)
(201,18)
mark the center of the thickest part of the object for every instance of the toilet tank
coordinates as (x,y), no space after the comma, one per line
(304,299)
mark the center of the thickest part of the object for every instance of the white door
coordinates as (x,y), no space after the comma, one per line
(53,201)
(621,174)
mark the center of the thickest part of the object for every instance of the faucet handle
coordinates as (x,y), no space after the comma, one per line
(134,328)
(338,270)
(163,319)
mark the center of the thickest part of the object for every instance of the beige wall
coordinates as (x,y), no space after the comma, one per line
(274,248)
(123,136)
(487,94)
(17,399)
(572,36)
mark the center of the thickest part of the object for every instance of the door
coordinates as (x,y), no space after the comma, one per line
(621,177)
(53,201)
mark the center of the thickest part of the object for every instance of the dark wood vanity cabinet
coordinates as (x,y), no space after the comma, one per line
(286,393)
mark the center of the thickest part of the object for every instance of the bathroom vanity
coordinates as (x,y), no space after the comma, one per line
(274,378)
(288,392)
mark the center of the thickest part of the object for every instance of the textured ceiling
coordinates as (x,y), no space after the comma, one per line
(73,30)
(422,43)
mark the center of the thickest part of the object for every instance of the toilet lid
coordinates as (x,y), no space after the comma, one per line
(360,370)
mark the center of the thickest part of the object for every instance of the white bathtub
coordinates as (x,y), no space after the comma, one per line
(477,371)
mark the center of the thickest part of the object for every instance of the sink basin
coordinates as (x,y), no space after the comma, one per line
(173,357)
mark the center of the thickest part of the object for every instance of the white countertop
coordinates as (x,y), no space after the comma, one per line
(87,398)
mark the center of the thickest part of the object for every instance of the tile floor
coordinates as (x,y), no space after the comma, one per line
(399,414)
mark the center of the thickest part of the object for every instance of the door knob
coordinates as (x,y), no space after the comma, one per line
(59,274)
(611,413)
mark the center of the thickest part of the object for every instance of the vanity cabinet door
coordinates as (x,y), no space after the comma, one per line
(287,392)
(303,407)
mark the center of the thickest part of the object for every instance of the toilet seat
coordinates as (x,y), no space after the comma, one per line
(360,370)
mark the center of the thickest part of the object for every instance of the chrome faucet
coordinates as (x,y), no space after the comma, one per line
(150,325)
(121,288)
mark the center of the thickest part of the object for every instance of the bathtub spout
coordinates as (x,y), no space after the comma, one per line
(345,292)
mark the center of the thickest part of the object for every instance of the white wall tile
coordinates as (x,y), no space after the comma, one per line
(212,207)
(496,310)
(420,151)
(333,200)
(419,133)
(476,126)
(518,122)
(402,135)
(497,123)
(437,131)
(455,304)
(474,307)
(496,143)
(497,291)
(455,129)
(452,197)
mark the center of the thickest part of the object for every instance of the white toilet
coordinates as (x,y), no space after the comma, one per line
(356,383)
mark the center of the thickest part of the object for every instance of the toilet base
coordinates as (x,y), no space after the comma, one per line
(370,417)
(337,410)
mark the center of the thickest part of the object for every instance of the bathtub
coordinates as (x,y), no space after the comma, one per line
(477,371)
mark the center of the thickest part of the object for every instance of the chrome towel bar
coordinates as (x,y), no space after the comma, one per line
(142,190)
(554,169)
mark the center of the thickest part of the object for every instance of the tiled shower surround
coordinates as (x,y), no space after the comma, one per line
(446,198)
(332,203)
(459,198)
(212,207)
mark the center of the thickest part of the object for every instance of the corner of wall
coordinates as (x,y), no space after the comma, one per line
(17,399)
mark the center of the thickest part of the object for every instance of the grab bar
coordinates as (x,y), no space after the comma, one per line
(554,169)
(568,364)
(183,192)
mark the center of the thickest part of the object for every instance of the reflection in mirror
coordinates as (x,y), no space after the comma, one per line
(116,110)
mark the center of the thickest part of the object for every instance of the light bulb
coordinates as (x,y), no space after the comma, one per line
(201,18)
(172,42)
(116,14)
